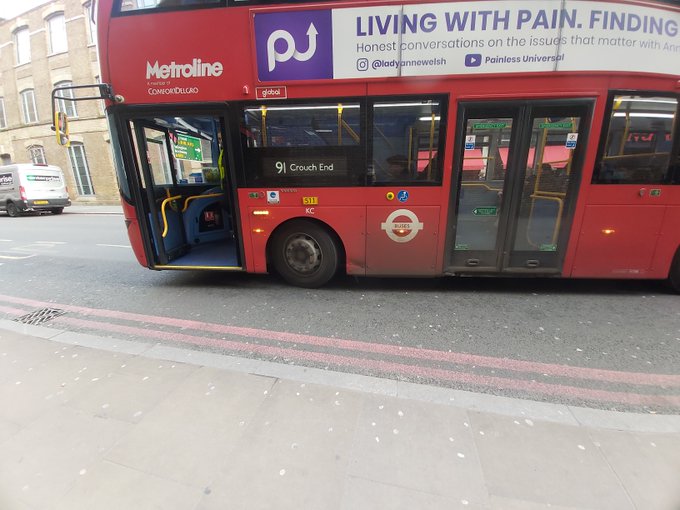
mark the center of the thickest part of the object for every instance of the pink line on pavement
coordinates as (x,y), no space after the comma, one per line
(636,378)
(391,367)
(12,311)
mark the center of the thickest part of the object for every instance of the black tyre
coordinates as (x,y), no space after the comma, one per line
(674,274)
(12,210)
(57,210)
(304,254)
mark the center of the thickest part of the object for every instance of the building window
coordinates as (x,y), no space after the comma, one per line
(56,28)
(37,155)
(63,105)
(91,27)
(22,45)
(3,118)
(81,170)
(28,108)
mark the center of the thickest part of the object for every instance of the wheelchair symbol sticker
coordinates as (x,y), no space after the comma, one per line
(402,196)
(273,197)
(572,138)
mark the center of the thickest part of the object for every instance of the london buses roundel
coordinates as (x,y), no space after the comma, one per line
(402,226)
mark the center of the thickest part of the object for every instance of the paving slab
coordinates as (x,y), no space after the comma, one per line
(189,435)
(133,390)
(418,446)
(369,494)
(47,375)
(648,466)
(109,486)
(295,452)
(44,459)
(545,463)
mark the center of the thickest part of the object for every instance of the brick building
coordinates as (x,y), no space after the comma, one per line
(54,45)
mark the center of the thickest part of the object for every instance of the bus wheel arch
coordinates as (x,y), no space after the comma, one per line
(306,252)
(674,273)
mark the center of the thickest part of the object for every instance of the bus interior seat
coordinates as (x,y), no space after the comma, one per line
(206,220)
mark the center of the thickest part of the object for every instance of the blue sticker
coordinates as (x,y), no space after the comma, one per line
(402,196)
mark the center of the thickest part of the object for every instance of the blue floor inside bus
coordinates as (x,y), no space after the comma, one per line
(218,254)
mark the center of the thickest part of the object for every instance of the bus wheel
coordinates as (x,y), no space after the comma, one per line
(304,254)
(12,210)
(57,210)
(674,274)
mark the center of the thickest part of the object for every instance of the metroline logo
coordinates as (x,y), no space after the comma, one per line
(196,69)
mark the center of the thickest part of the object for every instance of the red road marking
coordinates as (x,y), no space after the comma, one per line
(391,367)
(633,378)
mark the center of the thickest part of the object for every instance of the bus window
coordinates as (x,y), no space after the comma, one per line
(303,144)
(144,5)
(406,137)
(639,141)
(306,125)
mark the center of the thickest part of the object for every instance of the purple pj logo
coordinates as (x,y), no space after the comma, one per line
(294,46)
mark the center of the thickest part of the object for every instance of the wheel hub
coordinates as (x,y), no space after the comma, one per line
(303,254)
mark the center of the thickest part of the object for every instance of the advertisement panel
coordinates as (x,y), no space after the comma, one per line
(466,37)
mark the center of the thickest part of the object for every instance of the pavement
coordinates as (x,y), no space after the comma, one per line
(84,208)
(88,422)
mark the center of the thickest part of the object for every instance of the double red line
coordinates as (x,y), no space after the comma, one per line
(407,354)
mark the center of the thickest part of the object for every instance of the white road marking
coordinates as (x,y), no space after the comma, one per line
(50,242)
(116,245)
(14,257)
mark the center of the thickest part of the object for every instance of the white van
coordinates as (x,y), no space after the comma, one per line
(29,187)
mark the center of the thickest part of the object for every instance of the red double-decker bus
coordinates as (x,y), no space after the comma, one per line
(397,138)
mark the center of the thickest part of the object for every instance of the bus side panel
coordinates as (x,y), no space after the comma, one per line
(402,240)
(618,241)
(348,222)
(669,242)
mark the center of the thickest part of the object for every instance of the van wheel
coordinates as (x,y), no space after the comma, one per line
(304,254)
(57,210)
(12,210)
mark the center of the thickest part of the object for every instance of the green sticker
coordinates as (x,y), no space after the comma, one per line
(462,246)
(548,247)
(556,125)
(655,193)
(490,125)
(485,211)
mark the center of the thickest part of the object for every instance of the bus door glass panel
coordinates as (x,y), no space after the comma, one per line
(156,179)
(517,172)
(546,191)
(483,170)
(632,186)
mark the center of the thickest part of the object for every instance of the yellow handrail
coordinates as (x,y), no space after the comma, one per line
(165,219)
(640,155)
(481,184)
(196,197)
(558,219)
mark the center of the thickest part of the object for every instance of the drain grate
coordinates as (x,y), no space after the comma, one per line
(40,316)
